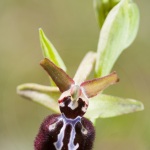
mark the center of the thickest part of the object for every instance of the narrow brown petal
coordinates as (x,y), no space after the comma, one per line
(61,79)
(93,87)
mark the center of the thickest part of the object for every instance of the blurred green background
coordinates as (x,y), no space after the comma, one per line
(72,28)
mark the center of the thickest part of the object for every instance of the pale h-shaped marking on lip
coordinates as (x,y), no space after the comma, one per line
(59,143)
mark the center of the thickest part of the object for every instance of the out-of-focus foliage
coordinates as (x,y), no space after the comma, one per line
(21,53)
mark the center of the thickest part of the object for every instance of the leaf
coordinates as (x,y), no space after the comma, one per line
(86,65)
(95,86)
(118,32)
(49,51)
(43,95)
(61,79)
(104,106)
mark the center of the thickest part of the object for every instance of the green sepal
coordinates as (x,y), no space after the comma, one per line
(105,106)
(43,95)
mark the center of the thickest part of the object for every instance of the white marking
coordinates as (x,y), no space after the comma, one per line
(73,104)
(71,145)
(59,143)
(84,131)
(52,126)
(62,104)
(84,108)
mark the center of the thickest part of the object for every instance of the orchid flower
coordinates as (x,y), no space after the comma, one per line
(78,102)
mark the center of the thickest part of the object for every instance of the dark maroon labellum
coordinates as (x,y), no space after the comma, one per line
(60,133)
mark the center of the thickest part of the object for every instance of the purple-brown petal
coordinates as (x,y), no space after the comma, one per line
(61,79)
(93,87)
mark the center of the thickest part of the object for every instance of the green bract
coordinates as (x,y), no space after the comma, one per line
(118,32)
(119,21)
